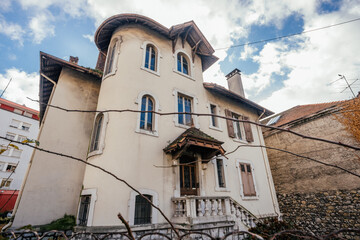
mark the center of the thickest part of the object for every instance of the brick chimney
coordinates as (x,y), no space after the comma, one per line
(235,83)
(74,59)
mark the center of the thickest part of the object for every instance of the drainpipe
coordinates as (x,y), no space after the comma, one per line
(31,159)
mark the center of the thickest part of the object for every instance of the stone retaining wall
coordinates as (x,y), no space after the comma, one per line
(322,212)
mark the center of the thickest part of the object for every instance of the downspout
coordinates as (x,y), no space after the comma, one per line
(31,159)
(269,176)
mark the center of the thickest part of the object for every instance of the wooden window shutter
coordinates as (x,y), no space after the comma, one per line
(250,180)
(247,180)
(248,132)
(229,123)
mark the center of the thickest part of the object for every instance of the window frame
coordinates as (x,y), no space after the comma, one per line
(176,93)
(217,112)
(93,193)
(12,165)
(101,135)
(240,127)
(190,64)
(157,58)
(225,163)
(156,108)
(131,204)
(256,197)
(114,44)
(5,181)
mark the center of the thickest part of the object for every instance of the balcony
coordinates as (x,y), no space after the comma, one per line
(192,210)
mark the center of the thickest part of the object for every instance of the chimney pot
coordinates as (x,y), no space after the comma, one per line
(74,59)
(235,83)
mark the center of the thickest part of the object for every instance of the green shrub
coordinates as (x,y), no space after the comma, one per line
(65,223)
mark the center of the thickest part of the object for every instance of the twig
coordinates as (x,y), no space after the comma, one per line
(204,114)
(127,226)
(298,155)
(105,171)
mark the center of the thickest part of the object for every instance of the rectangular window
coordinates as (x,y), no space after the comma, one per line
(18,111)
(6,182)
(220,173)
(10,136)
(16,153)
(238,127)
(11,167)
(28,114)
(25,126)
(247,180)
(142,210)
(15,123)
(21,138)
(185,106)
(214,120)
(84,209)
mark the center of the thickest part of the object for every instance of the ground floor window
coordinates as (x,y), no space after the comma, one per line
(247,180)
(143,210)
(84,209)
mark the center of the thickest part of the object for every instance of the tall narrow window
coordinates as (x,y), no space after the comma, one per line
(147,117)
(5,182)
(214,120)
(95,140)
(142,210)
(150,57)
(110,62)
(182,64)
(238,127)
(185,106)
(247,180)
(84,209)
(220,172)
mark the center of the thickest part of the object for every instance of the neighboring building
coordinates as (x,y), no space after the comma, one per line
(176,161)
(314,196)
(17,122)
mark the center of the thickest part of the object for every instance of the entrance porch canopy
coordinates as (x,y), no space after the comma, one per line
(195,141)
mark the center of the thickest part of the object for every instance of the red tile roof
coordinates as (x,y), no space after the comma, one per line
(302,111)
(18,106)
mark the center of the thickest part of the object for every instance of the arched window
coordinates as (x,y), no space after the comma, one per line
(111,58)
(150,58)
(142,210)
(147,118)
(95,140)
(183,64)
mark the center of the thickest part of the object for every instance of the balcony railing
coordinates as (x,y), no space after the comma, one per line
(200,210)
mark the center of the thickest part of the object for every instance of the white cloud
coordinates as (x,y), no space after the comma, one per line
(12,30)
(89,37)
(5,5)
(22,85)
(248,52)
(41,26)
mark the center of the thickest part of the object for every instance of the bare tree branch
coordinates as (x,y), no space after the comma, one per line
(205,114)
(126,225)
(103,170)
(298,155)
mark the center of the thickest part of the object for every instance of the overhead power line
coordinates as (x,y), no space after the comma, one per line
(289,35)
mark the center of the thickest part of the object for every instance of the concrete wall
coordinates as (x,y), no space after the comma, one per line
(133,156)
(54,183)
(5,121)
(313,196)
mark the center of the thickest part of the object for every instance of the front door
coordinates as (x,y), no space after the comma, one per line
(188,177)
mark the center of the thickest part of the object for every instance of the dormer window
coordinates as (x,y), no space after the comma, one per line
(150,57)
(183,64)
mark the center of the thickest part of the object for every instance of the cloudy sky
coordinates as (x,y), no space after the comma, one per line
(276,74)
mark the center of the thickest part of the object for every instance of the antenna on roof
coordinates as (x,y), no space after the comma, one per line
(348,85)
(5,88)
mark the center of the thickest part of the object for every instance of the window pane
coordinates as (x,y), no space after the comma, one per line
(153,59)
(147,57)
(185,65)
(220,172)
(96,133)
(180,109)
(142,210)
(142,115)
(150,114)
(213,119)
(188,118)
(179,63)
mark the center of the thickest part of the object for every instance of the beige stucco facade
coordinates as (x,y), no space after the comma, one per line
(134,154)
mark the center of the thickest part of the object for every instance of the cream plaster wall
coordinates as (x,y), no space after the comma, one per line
(53,184)
(132,156)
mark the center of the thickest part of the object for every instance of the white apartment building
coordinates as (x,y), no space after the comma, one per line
(17,123)
(177,161)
